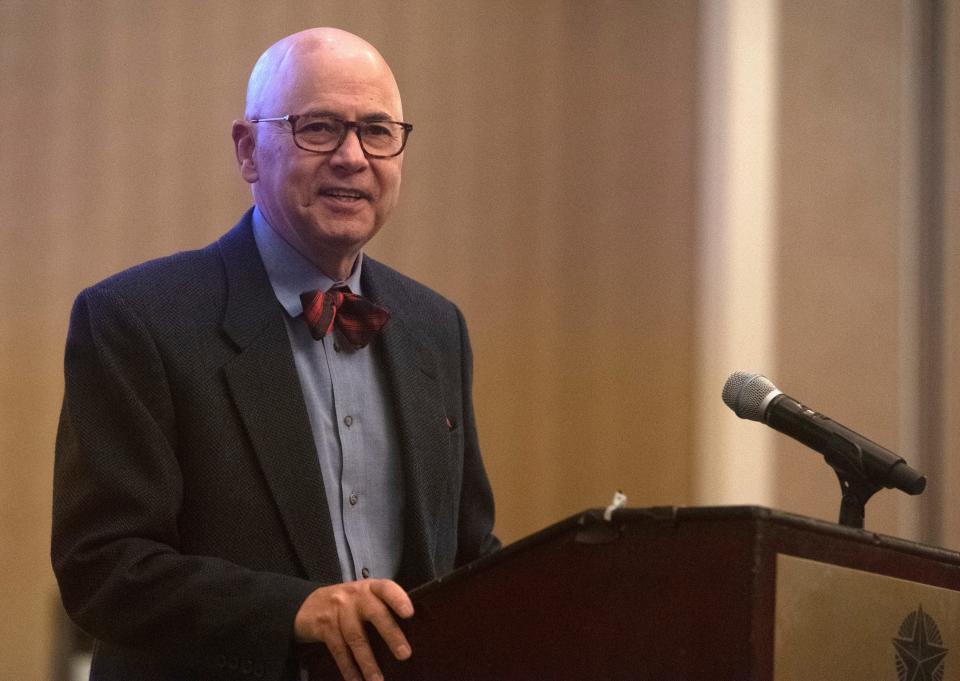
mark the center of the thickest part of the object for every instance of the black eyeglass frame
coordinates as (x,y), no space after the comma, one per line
(347,127)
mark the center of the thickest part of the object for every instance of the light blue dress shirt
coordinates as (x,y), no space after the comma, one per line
(354,430)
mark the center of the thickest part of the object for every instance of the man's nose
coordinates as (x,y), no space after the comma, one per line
(349,155)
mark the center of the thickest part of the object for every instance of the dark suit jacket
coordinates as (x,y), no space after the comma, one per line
(189,520)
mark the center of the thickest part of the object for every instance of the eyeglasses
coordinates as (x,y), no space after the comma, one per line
(323,134)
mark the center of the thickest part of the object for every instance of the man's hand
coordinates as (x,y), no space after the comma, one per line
(335,615)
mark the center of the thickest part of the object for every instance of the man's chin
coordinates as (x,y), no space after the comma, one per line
(345,236)
(342,237)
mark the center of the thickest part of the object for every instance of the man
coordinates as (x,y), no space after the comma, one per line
(242,464)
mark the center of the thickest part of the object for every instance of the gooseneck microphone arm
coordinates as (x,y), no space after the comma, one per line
(862,466)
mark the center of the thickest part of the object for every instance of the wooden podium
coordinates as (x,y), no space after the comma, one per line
(662,594)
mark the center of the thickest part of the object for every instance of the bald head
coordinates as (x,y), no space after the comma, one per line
(325,204)
(314,59)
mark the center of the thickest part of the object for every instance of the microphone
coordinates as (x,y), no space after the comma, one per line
(755,397)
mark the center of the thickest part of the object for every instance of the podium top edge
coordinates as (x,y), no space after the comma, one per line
(592,521)
(777,517)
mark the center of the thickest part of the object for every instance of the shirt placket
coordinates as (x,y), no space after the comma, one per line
(348,412)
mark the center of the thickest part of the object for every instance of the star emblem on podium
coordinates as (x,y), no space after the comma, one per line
(919,648)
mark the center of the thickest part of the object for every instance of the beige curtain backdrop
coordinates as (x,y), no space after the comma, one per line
(867,255)
(549,188)
(950,460)
(845,147)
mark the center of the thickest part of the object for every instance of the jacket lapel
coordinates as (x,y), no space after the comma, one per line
(412,373)
(266,390)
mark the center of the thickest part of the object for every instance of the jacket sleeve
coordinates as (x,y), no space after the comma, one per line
(117,491)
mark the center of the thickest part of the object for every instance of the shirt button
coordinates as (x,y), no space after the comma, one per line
(353,499)
(365,572)
(348,420)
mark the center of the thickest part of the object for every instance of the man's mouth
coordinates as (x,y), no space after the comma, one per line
(345,194)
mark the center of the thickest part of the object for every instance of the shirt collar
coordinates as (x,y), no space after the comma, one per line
(290,273)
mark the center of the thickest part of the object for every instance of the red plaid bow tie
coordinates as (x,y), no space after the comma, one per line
(358,318)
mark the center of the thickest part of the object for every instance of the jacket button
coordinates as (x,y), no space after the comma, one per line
(353,499)
(365,572)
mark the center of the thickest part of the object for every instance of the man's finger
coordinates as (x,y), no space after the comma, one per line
(393,595)
(343,656)
(359,647)
(375,612)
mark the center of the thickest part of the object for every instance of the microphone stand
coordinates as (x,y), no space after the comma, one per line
(853,503)
(856,487)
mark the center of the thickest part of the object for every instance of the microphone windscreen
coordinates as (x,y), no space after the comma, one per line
(747,394)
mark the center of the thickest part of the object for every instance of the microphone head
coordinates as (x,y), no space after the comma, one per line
(749,394)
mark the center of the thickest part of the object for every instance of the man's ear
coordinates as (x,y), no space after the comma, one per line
(244,144)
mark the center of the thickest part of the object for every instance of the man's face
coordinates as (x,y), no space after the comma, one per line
(326,205)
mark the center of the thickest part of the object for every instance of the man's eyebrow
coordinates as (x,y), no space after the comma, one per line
(375,116)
